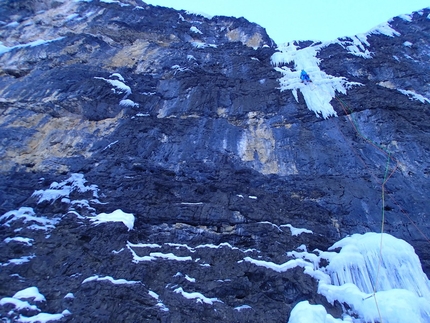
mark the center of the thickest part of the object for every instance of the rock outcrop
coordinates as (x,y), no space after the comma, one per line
(180,121)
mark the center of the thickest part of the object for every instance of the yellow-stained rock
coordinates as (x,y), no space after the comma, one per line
(62,137)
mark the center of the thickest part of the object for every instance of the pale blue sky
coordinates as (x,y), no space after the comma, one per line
(287,20)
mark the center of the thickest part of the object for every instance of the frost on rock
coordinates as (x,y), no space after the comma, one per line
(377,277)
(323,88)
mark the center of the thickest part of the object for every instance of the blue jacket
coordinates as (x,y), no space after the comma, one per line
(304,76)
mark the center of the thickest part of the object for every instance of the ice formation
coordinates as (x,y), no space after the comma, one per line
(323,88)
(377,276)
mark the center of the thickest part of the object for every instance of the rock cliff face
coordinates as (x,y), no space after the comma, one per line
(180,120)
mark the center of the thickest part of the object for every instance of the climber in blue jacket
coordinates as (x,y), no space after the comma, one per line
(305,77)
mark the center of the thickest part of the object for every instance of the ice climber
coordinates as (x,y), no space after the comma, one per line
(305,77)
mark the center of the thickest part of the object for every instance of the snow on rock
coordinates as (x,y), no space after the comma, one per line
(153,255)
(377,276)
(27,215)
(296,231)
(414,96)
(115,216)
(128,103)
(26,241)
(200,298)
(323,88)
(18,261)
(194,29)
(279,268)
(75,183)
(304,312)
(406,17)
(41,318)
(190,279)
(169,256)
(30,293)
(5,49)
(69,296)
(117,85)
(243,307)
(111,280)
(356,45)
(198,13)
(21,308)
(160,303)
(18,304)
(117,75)
(384,29)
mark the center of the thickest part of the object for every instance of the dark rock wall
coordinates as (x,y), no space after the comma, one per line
(200,145)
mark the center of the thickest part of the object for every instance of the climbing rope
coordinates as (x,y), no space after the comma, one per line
(384,181)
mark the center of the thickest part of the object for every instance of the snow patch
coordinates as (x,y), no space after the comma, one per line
(115,216)
(30,293)
(199,13)
(27,215)
(42,318)
(296,231)
(200,298)
(127,103)
(304,312)
(117,85)
(407,18)
(69,296)
(195,30)
(154,255)
(384,29)
(21,306)
(115,2)
(26,241)
(200,44)
(190,279)
(111,280)
(117,75)
(243,307)
(414,96)
(75,183)
(18,261)
(159,304)
(279,268)
(5,49)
